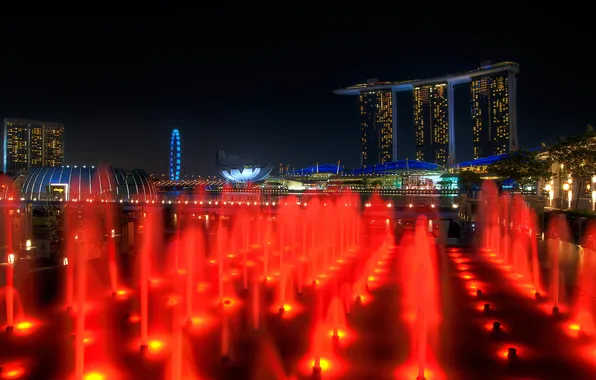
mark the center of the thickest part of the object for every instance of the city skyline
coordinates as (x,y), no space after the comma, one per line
(265,93)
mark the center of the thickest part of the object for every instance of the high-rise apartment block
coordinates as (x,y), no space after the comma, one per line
(431,123)
(32,144)
(493,99)
(376,124)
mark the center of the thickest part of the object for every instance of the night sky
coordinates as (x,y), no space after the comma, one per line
(259,81)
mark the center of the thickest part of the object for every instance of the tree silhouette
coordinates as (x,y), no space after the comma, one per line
(468,180)
(578,155)
(522,166)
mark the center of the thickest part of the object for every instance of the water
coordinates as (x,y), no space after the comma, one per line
(277,271)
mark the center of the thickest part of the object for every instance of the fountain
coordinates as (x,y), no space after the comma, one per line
(339,293)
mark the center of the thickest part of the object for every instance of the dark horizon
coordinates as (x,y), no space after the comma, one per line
(263,86)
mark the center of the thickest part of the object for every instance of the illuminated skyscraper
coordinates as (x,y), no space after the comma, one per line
(494,113)
(32,144)
(376,124)
(431,123)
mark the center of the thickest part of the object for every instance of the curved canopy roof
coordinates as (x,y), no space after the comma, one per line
(241,168)
(485,161)
(400,165)
(87,182)
(324,169)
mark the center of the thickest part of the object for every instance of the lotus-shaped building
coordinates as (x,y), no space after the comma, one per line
(241,169)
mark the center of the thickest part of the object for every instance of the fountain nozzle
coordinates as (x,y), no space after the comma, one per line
(316,372)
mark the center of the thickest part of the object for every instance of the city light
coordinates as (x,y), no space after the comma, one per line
(175,155)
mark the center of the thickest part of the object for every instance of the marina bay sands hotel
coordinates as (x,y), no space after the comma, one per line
(493,89)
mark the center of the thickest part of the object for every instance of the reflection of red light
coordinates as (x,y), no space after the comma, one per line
(504,351)
(197,320)
(172,300)
(25,325)
(134,319)
(340,333)
(155,346)
(230,303)
(490,326)
(202,287)
(409,371)
(12,373)
(323,363)
(94,376)
(480,306)
(289,311)
(364,299)
(122,294)
(573,329)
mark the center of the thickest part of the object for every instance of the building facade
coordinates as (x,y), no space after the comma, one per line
(493,103)
(376,124)
(32,144)
(431,123)
(493,89)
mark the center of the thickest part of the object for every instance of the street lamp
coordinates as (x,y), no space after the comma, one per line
(566,187)
(551,193)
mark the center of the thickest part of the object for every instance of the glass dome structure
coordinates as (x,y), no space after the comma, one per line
(241,169)
(81,183)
